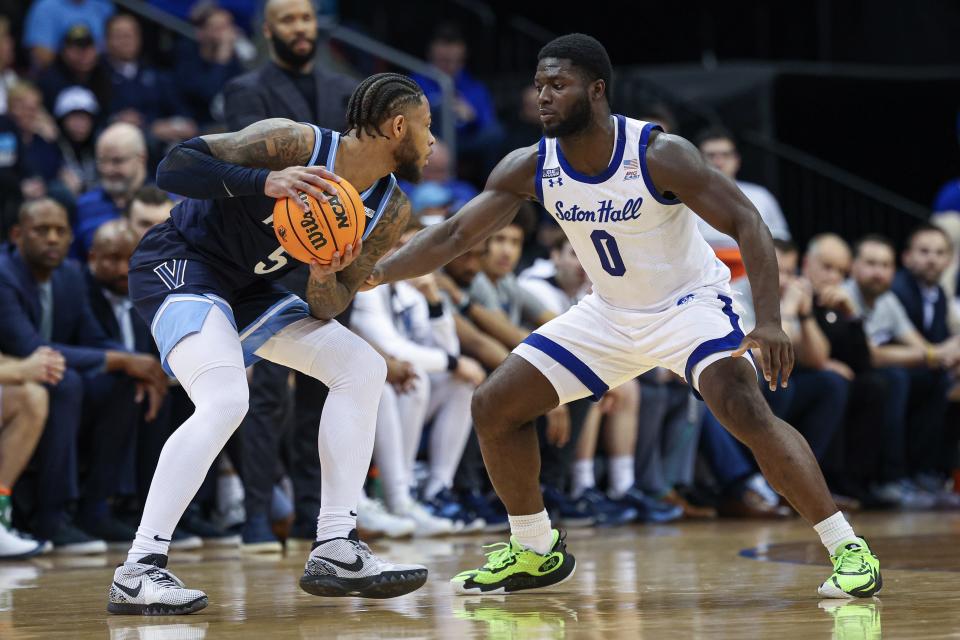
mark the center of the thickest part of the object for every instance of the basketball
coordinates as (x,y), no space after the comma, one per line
(326,228)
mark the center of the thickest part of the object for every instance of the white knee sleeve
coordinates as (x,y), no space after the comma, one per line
(327,351)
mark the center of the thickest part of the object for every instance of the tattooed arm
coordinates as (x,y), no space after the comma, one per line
(275,143)
(265,158)
(328,294)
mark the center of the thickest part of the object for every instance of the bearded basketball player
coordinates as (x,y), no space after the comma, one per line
(205,283)
(626,194)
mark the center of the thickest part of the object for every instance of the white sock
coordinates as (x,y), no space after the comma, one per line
(335,522)
(621,475)
(583,477)
(355,373)
(834,532)
(533,531)
(451,430)
(209,365)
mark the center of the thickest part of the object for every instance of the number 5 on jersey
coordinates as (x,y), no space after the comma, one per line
(278,258)
(608,252)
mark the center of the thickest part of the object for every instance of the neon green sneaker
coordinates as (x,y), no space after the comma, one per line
(510,568)
(856,573)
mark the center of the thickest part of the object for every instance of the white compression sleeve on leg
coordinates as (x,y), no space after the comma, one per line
(209,365)
(355,374)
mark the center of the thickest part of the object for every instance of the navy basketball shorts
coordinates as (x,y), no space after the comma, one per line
(173,288)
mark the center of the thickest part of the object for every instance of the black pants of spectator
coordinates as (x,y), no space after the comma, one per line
(556,463)
(263,430)
(854,461)
(913,441)
(814,404)
(111,416)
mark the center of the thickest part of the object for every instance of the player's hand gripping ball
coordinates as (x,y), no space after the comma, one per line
(326,228)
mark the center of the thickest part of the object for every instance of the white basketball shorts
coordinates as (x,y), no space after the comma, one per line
(594,347)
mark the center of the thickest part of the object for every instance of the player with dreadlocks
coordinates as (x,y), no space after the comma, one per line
(205,282)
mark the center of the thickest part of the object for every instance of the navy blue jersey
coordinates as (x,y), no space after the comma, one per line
(236,234)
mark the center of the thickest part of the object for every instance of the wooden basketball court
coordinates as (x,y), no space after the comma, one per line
(724,579)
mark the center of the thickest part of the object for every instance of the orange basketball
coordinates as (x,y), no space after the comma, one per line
(328,226)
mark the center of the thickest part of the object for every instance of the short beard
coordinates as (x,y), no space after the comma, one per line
(407,162)
(116,188)
(577,121)
(290,57)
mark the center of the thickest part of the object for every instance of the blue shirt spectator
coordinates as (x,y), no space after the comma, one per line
(122,167)
(474,107)
(478,131)
(49,20)
(93,209)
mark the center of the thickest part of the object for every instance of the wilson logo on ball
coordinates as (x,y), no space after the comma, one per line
(311,230)
(314,235)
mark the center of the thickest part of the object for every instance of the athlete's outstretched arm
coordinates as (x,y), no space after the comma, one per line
(328,293)
(677,166)
(510,183)
(265,158)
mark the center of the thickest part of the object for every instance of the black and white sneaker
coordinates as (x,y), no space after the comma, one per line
(148,588)
(346,567)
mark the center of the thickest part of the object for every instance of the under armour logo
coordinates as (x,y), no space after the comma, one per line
(172,273)
(559,182)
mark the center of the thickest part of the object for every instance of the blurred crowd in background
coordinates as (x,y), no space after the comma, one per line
(86,115)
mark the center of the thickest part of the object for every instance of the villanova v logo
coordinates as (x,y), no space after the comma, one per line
(172,273)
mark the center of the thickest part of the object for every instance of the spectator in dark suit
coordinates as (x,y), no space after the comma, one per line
(291,85)
(121,155)
(205,66)
(43,301)
(142,95)
(917,286)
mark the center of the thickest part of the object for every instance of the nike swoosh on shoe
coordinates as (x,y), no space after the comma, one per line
(355,566)
(133,593)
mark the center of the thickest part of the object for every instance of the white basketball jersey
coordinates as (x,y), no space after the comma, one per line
(641,250)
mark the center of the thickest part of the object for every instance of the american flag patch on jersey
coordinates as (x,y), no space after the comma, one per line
(631,164)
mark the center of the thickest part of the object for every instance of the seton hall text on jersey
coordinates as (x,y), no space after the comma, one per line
(603,213)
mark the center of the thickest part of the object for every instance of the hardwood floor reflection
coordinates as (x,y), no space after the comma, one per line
(683,581)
